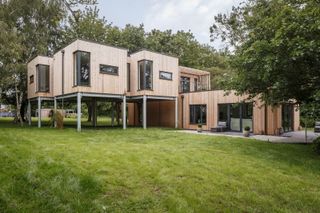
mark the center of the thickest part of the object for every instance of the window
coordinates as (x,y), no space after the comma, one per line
(42,78)
(165,75)
(145,74)
(185,84)
(31,79)
(198,114)
(247,110)
(108,69)
(195,84)
(82,68)
(128,77)
(223,112)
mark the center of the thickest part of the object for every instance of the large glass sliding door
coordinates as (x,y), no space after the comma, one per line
(247,114)
(237,115)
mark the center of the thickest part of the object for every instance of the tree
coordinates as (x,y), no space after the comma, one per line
(29,28)
(310,112)
(276,49)
(132,37)
(87,25)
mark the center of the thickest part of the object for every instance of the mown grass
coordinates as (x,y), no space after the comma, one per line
(154,170)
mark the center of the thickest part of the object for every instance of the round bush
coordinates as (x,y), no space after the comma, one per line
(316,145)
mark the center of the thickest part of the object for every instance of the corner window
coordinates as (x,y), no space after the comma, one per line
(198,114)
(108,69)
(42,78)
(165,75)
(128,77)
(82,68)
(145,68)
(31,79)
(185,84)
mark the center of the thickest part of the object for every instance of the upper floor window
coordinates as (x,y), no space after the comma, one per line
(42,78)
(145,74)
(108,69)
(165,75)
(82,68)
(31,79)
(185,84)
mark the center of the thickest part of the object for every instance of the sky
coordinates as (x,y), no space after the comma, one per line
(194,15)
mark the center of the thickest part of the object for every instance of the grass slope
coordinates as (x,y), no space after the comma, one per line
(155,170)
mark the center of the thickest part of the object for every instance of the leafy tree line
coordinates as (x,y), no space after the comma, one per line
(276,49)
(40,27)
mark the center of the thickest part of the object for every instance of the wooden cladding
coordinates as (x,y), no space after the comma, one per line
(263,119)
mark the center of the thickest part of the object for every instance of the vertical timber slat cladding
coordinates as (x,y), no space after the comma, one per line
(32,71)
(212,98)
(160,63)
(265,119)
(99,82)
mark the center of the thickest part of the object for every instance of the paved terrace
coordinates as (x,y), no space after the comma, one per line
(290,137)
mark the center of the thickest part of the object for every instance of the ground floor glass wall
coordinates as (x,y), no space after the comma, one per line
(236,116)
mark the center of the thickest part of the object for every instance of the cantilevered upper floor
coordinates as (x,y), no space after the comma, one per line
(90,67)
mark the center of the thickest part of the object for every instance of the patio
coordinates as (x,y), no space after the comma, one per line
(297,137)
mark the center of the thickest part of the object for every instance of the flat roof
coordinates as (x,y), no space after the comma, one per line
(78,39)
(144,49)
(190,70)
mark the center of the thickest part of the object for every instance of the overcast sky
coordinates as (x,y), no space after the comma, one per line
(194,15)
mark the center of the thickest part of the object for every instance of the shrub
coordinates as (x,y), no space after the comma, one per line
(316,145)
(247,128)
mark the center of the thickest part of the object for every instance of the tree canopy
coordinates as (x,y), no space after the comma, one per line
(276,48)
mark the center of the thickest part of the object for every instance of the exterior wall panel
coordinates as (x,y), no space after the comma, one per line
(160,63)
(32,88)
(213,98)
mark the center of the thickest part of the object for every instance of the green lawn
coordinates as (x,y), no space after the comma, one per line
(154,170)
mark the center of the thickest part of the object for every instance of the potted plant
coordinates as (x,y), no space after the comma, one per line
(246,131)
(199,127)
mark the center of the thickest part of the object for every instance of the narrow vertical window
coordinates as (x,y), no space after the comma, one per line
(145,74)
(195,84)
(128,77)
(31,79)
(42,78)
(82,68)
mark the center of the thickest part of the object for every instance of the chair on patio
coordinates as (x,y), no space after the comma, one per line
(222,127)
(317,127)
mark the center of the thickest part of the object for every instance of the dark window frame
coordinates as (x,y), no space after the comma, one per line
(31,79)
(128,77)
(144,71)
(168,79)
(76,64)
(38,78)
(182,81)
(191,121)
(108,73)
(241,113)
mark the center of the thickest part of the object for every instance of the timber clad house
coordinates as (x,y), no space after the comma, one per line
(148,89)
